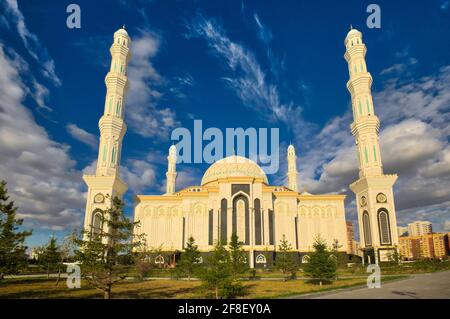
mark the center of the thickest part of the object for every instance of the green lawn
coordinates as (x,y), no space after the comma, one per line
(179,289)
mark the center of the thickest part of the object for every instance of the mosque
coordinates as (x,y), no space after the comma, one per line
(234,195)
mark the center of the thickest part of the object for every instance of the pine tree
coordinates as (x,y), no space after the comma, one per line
(217,275)
(320,267)
(238,256)
(189,258)
(285,261)
(99,251)
(49,258)
(12,241)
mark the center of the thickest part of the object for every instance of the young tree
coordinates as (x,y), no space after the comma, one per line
(66,250)
(100,249)
(285,261)
(238,256)
(49,259)
(143,260)
(217,275)
(12,241)
(189,259)
(321,268)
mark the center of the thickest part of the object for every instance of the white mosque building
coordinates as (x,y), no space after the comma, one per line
(234,195)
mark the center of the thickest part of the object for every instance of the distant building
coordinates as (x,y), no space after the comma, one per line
(419,228)
(402,231)
(423,247)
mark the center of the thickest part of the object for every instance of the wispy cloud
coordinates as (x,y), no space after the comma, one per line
(246,78)
(82,135)
(31,41)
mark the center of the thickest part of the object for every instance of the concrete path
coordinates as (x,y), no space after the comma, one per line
(422,286)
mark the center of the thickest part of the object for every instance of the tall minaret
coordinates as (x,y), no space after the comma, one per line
(106,182)
(171,170)
(292,168)
(374,196)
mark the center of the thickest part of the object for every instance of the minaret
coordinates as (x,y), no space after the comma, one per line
(373,189)
(292,168)
(106,182)
(171,170)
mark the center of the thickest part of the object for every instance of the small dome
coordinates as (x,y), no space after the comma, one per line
(233,166)
(121,32)
(352,34)
(173,149)
(291,147)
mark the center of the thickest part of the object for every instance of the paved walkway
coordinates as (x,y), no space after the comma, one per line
(422,286)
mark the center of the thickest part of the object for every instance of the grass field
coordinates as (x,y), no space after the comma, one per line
(161,289)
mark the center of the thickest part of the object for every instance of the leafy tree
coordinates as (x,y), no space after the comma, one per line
(189,259)
(284,260)
(12,241)
(217,274)
(238,256)
(49,258)
(66,251)
(100,249)
(321,268)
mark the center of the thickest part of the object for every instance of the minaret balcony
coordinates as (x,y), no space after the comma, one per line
(359,81)
(365,124)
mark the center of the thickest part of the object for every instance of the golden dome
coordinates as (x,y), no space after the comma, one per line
(233,166)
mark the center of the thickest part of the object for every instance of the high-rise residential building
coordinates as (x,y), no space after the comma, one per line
(425,246)
(419,228)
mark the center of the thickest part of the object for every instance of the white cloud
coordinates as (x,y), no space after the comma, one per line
(414,144)
(82,135)
(143,113)
(41,176)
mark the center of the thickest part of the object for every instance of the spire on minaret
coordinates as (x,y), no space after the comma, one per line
(292,169)
(171,174)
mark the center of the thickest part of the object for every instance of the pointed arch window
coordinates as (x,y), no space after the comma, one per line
(384,226)
(360,107)
(97,223)
(261,259)
(366,229)
(375,153)
(368,105)
(110,104)
(354,68)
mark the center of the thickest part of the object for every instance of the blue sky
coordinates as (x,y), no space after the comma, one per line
(230,64)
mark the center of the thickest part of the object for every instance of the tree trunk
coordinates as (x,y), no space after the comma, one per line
(2,275)
(59,276)
(48,272)
(108,292)
(217,292)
